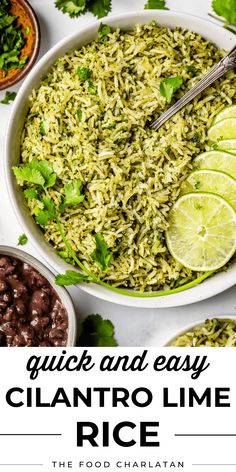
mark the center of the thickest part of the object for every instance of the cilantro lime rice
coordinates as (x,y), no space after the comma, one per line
(89,118)
(215,332)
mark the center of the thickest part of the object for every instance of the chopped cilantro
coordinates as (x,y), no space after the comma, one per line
(22,240)
(42,128)
(27,30)
(12,39)
(79,113)
(71,277)
(103,31)
(156,4)
(192,70)
(83,73)
(197,185)
(101,255)
(9,97)
(92,88)
(169,86)
(196,137)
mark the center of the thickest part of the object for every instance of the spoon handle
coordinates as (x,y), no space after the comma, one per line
(225,65)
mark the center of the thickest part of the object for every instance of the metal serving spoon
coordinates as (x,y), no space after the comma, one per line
(225,65)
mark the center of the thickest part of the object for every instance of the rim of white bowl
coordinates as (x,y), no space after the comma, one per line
(210,287)
(194,325)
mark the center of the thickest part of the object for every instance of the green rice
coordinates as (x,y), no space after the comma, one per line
(97,130)
(216,332)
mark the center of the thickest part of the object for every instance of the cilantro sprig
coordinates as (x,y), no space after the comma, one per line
(97,332)
(74,8)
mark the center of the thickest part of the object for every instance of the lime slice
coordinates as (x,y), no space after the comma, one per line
(211,181)
(227,112)
(202,231)
(217,160)
(228,145)
(225,129)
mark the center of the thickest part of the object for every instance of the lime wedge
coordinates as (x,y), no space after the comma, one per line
(228,145)
(225,129)
(227,112)
(217,160)
(202,231)
(211,181)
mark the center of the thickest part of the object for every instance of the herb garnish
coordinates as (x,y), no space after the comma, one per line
(103,31)
(169,86)
(74,8)
(71,277)
(156,4)
(97,332)
(9,97)
(12,40)
(226,9)
(22,240)
(101,255)
(36,172)
(83,73)
(72,194)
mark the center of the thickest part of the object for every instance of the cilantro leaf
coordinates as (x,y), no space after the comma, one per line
(43,217)
(74,8)
(100,8)
(156,4)
(71,277)
(97,332)
(46,169)
(31,193)
(169,86)
(72,194)
(227,9)
(83,73)
(26,174)
(36,172)
(103,31)
(22,240)
(9,97)
(101,255)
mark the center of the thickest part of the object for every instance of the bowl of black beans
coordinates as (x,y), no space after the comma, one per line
(33,310)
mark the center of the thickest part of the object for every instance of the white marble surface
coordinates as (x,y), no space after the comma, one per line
(134,327)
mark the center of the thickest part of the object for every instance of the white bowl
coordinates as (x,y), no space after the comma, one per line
(192,326)
(216,34)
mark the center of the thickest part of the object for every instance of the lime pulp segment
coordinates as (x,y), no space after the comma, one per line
(211,181)
(225,129)
(202,231)
(217,160)
(227,112)
(227,145)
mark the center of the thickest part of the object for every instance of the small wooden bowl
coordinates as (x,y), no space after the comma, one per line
(28,19)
